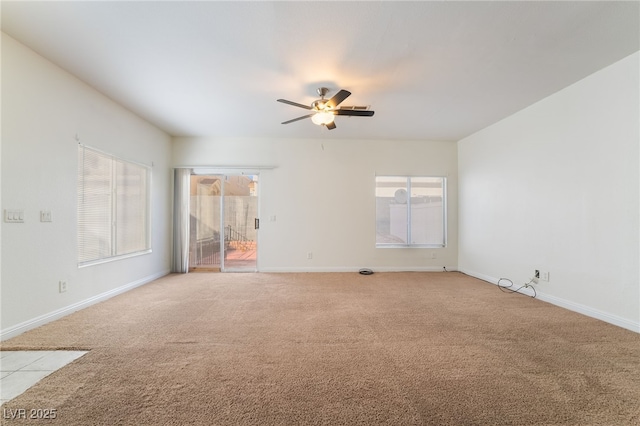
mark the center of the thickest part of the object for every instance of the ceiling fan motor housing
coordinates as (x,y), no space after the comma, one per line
(319,105)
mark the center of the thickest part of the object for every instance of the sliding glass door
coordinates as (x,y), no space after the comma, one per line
(223,223)
(241,222)
(205,236)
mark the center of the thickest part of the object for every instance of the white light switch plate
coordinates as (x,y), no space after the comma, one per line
(14,216)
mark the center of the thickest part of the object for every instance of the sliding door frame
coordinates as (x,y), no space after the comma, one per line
(222,173)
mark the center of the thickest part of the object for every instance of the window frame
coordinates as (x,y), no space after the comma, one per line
(408,244)
(114,209)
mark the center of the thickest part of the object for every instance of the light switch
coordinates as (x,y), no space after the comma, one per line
(14,216)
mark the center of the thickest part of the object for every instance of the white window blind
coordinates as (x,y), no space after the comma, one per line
(113,207)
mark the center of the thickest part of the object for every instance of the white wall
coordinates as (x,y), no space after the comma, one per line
(555,187)
(322,195)
(43,108)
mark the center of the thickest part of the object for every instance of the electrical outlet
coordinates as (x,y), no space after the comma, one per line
(62,286)
(45,216)
(309,255)
(434,255)
(544,276)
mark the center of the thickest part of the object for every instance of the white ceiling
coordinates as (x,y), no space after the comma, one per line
(430,70)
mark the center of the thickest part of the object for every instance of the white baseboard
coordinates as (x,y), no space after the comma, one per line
(572,306)
(59,313)
(591,312)
(355,269)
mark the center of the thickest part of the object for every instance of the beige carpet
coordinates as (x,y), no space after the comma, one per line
(341,348)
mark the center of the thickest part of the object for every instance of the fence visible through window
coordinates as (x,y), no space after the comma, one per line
(410,211)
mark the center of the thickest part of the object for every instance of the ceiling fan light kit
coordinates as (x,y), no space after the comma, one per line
(321,118)
(323,111)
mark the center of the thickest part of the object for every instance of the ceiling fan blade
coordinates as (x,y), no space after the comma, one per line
(284,101)
(361,107)
(337,98)
(331,125)
(352,112)
(299,118)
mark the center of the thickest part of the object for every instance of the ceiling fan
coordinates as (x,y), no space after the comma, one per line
(325,110)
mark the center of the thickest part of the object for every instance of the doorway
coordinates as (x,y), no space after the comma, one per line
(223,223)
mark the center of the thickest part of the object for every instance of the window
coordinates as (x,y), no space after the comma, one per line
(113,207)
(410,211)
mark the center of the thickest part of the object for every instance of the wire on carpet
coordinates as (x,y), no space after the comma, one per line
(508,289)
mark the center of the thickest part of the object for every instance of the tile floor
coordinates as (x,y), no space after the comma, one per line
(19,370)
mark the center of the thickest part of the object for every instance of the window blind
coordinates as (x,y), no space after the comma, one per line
(113,207)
